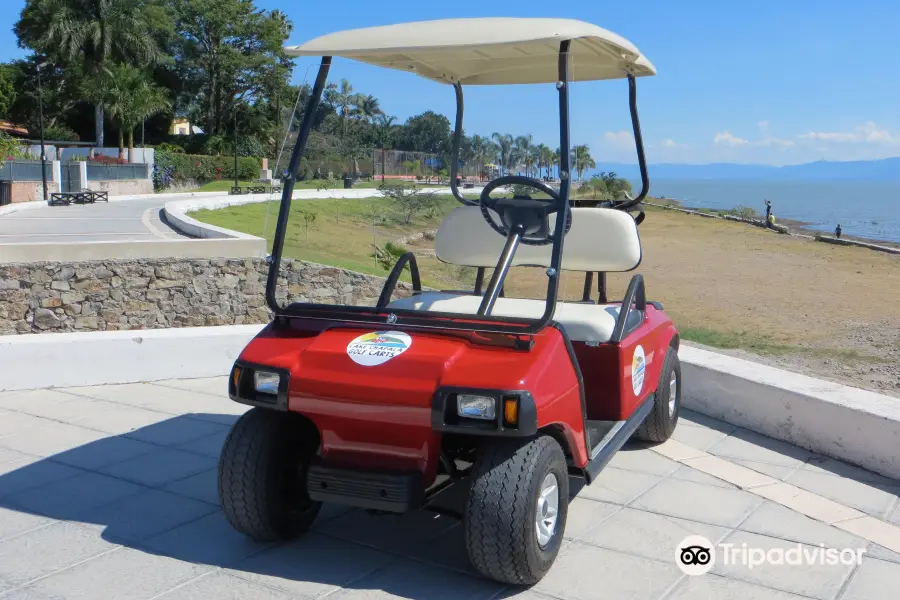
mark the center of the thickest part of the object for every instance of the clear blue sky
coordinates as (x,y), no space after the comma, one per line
(770,81)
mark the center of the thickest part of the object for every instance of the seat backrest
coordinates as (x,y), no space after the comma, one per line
(601,239)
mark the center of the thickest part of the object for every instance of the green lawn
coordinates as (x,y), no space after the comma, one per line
(342,232)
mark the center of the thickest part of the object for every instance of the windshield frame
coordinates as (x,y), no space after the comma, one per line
(428,319)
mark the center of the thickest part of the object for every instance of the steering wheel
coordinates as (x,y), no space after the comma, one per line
(522,211)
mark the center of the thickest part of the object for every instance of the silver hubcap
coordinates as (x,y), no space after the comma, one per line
(547,510)
(673,393)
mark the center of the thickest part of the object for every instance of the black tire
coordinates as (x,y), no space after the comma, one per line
(262,475)
(660,423)
(499,520)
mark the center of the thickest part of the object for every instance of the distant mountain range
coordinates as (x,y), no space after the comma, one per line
(887,169)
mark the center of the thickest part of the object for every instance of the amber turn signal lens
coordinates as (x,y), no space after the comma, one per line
(511,411)
(235,378)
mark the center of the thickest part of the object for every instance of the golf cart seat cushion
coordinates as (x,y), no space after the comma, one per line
(600,240)
(583,322)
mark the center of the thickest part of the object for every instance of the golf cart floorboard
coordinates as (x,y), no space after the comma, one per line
(606,437)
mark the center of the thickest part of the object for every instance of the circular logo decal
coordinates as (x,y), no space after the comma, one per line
(695,555)
(638,366)
(373,349)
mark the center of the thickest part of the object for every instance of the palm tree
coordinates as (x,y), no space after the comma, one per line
(554,160)
(522,152)
(90,33)
(384,134)
(128,97)
(341,98)
(145,100)
(505,144)
(547,158)
(479,147)
(367,107)
(582,160)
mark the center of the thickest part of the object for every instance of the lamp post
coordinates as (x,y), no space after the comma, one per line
(41,120)
(234,141)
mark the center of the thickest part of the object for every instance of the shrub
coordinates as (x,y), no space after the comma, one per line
(409,200)
(60,133)
(10,148)
(745,212)
(387,255)
(174,168)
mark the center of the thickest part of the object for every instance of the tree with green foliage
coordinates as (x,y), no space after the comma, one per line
(128,97)
(227,53)
(309,217)
(506,145)
(7,89)
(522,152)
(341,98)
(409,200)
(428,132)
(10,148)
(582,160)
(83,36)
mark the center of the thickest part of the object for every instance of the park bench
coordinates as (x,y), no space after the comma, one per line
(255,189)
(79,197)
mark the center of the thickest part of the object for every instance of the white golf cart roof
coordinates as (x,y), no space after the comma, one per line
(486,51)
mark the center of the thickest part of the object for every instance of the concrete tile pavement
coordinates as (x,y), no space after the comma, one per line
(110,492)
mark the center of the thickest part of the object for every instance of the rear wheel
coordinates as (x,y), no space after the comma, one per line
(262,475)
(661,421)
(516,511)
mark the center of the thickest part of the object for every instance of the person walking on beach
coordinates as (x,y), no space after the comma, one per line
(768,210)
(837,231)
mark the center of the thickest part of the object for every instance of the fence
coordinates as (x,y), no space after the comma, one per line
(102,172)
(25,170)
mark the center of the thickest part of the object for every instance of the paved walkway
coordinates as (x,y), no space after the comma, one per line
(110,492)
(100,222)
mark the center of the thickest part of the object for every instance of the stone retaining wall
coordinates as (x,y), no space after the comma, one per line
(158,293)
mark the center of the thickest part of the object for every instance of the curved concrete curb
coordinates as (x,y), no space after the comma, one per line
(846,423)
(176,217)
(176,211)
(843,422)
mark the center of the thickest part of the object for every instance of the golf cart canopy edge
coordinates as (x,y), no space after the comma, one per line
(486,51)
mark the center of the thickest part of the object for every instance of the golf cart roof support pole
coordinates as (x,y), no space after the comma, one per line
(457,143)
(638,141)
(497,278)
(479,280)
(588,284)
(565,181)
(290,176)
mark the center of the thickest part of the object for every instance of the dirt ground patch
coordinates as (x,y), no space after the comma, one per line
(813,308)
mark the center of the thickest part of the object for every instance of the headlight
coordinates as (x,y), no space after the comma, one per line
(266,382)
(472,406)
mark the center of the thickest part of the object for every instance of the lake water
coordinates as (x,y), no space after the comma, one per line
(864,209)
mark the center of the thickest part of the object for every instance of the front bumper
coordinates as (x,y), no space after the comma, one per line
(392,491)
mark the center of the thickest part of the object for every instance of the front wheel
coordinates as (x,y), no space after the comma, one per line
(516,511)
(661,421)
(262,475)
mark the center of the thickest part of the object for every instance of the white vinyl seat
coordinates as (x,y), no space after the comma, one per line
(600,240)
(583,322)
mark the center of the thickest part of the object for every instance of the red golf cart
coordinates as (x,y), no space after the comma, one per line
(383,407)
